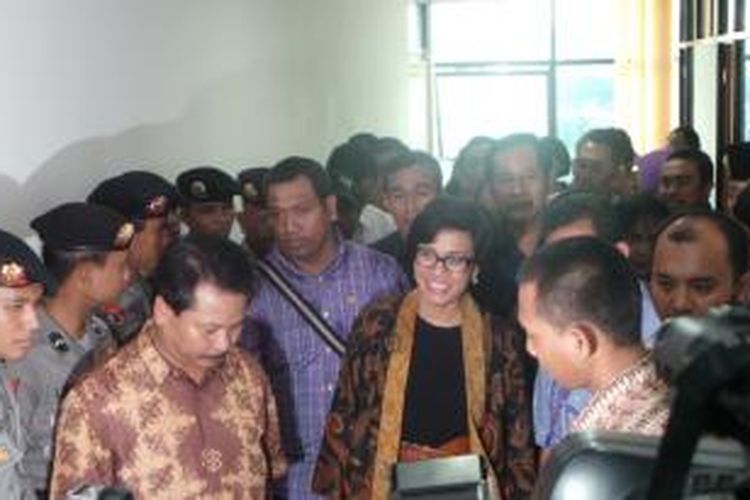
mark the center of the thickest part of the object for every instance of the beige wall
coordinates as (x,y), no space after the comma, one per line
(94,87)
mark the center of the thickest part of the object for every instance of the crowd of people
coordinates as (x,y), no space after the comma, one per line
(366,316)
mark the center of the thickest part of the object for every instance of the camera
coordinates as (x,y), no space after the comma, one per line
(704,451)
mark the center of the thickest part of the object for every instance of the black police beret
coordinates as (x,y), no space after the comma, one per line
(83,226)
(251,183)
(206,185)
(19,265)
(136,195)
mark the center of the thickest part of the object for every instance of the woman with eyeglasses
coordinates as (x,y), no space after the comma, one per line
(427,375)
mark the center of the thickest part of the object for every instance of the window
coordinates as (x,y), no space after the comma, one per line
(502,66)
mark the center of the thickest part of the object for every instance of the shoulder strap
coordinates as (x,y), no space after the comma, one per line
(308,313)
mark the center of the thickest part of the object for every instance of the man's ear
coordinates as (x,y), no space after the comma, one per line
(584,341)
(82,275)
(623,247)
(330,202)
(162,311)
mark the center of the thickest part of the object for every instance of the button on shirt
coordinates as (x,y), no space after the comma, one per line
(302,368)
(140,422)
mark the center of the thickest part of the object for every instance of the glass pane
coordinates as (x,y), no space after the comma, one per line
(493,105)
(414,29)
(477,30)
(585,28)
(418,118)
(584,100)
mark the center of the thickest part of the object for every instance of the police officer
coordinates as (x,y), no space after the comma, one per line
(22,281)
(150,202)
(85,249)
(253,219)
(207,194)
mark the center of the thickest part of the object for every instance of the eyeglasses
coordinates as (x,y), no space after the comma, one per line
(427,257)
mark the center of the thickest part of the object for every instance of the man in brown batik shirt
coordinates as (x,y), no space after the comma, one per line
(179,412)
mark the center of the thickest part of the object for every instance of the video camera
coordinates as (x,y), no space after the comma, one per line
(707,361)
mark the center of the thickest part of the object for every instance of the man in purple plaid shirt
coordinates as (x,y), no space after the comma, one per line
(337,278)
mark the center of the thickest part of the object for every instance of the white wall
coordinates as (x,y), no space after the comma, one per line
(93,87)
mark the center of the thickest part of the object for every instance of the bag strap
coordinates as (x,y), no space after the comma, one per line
(308,313)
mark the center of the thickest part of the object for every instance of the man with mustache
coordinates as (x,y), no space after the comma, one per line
(519,182)
(179,412)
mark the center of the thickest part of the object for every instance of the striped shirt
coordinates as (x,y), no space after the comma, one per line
(303,370)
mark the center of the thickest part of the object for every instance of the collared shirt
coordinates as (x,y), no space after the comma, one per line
(555,407)
(374,224)
(140,423)
(637,401)
(302,368)
(40,378)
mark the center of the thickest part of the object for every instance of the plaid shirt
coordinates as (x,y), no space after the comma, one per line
(303,370)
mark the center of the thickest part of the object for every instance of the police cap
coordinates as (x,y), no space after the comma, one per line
(137,195)
(19,265)
(83,227)
(251,184)
(207,185)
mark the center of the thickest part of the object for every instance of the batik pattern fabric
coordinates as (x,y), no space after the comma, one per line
(302,368)
(637,401)
(363,428)
(138,422)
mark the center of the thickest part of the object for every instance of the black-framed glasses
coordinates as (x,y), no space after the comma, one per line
(454,262)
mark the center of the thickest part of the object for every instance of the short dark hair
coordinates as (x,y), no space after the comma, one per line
(742,207)
(737,158)
(296,166)
(616,139)
(62,263)
(349,162)
(573,206)
(448,212)
(684,137)
(552,150)
(701,161)
(584,279)
(642,206)
(201,258)
(735,236)
(420,159)
(511,142)
(384,150)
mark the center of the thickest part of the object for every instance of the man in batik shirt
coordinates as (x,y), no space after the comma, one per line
(580,304)
(179,412)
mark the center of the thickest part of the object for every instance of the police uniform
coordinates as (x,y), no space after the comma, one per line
(57,357)
(137,195)
(42,376)
(19,267)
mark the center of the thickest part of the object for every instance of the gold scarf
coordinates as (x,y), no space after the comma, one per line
(475,339)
